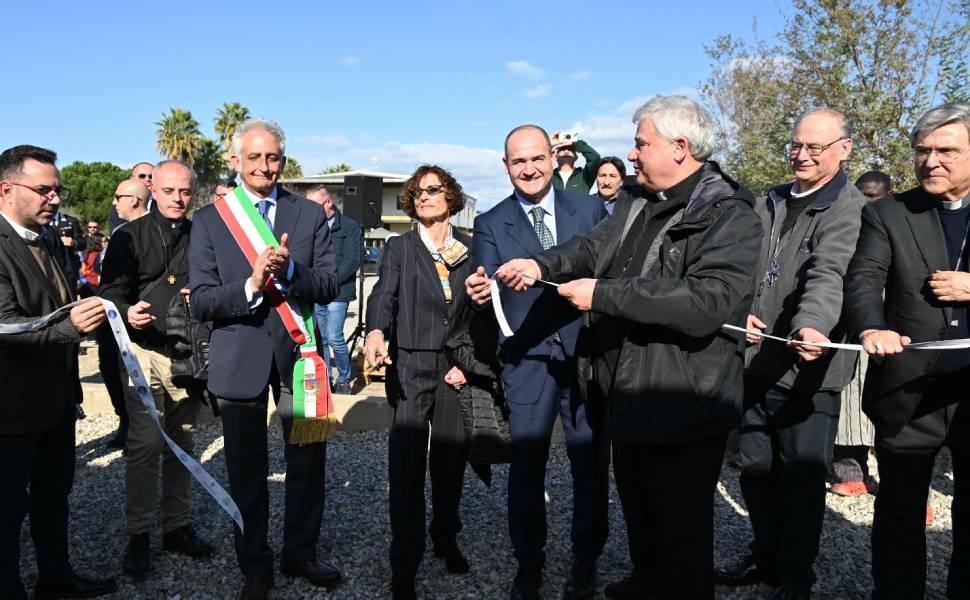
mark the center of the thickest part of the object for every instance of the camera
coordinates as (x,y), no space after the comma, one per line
(568,137)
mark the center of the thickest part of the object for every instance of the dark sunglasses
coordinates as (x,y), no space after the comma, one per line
(144,176)
(433,190)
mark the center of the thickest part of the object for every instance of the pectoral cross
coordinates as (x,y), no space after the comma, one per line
(171,279)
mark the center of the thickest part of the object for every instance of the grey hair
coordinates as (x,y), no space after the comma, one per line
(939,116)
(845,123)
(679,117)
(174,161)
(248,125)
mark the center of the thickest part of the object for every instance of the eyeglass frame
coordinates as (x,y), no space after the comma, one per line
(61,192)
(793,151)
(432,190)
(144,176)
(922,154)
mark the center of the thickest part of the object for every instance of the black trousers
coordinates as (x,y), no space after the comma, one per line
(533,410)
(667,495)
(423,401)
(786,450)
(244,430)
(905,472)
(37,472)
(109,363)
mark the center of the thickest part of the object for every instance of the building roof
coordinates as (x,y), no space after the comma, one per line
(338,178)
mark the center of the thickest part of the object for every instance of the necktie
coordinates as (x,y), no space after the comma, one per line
(545,236)
(263,207)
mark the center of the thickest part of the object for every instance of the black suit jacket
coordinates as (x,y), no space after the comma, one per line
(900,245)
(245,342)
(38,369)
(408,304)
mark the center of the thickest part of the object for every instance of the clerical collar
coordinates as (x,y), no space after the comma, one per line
(23,232)
(683,188)
(168,223)
(955,204)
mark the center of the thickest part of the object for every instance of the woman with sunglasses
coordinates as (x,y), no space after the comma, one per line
(418,301)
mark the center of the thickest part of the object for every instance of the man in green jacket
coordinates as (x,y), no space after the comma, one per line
(567,147)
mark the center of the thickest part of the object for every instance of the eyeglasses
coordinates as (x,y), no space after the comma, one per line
(46,190)
(794,148)
(944,155)
(433,190)
(144,176)
(220,196)
(120,196)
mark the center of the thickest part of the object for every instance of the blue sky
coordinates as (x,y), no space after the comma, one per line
(385,85)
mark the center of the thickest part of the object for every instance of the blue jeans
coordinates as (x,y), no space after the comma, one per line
(330,321)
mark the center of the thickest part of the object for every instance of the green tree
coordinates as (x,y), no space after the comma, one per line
(209,167)
(341,168)
(227,119)
(178,135)
(880,61)
(92,188)
(292,170)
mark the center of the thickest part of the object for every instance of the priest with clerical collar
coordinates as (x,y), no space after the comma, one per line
(909,281)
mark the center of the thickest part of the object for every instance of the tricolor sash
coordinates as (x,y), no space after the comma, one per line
(313,415)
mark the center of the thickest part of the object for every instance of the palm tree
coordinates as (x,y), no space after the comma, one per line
(293,168)
(178,135)
(208,164)
(227,119)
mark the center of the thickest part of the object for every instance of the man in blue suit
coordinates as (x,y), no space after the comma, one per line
(539,370)
(251,351)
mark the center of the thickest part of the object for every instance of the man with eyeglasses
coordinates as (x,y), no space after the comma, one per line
(129,203)
(144,270)
(39,371)
(224,187)
(908,282)
(791,396)
(142,173)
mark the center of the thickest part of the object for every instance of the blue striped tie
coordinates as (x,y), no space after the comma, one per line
(263,207)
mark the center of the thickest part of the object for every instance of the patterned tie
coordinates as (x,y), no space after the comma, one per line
(545,236)
(263,207)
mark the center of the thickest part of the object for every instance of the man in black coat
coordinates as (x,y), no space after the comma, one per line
(39,372)
(909,281)
(146,266)
(346,237)
(657,279)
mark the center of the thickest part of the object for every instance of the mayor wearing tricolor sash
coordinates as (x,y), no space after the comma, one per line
(258,260)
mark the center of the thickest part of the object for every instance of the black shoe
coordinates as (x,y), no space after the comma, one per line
(581,584)
(525,586)
(318,573)
(256,588)
(790,592)
(73,585)
(631,587)
(138,559)
(342,387)
(402,588)
(186,541)
(745,573)
(454,561)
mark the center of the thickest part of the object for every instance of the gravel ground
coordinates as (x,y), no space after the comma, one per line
(356,531)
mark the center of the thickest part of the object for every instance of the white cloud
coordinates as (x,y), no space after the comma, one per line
(540,91)
(349,61)
(580,76)
(479,170)
(522,68)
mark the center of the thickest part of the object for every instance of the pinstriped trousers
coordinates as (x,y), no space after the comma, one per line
(423,401)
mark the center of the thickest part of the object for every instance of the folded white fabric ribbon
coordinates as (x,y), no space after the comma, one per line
(144,394)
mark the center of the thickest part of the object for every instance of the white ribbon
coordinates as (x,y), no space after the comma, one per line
(938,345)
(144,394)
(503,323)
